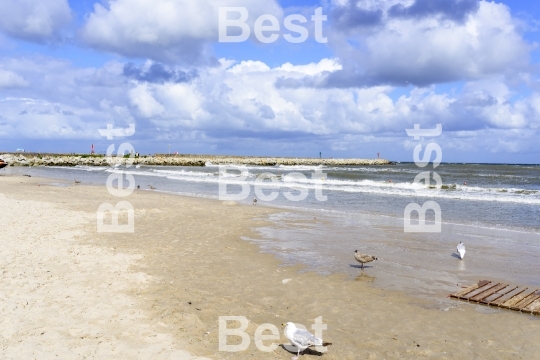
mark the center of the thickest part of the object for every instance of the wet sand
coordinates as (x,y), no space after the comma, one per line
(420,264)
(66,289)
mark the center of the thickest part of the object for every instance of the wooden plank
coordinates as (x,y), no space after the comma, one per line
(508,296)
(511,297)
(516,299)
(525,302)
(489,292)
(464,291)
(471,288)
(488,300)
(533,307)
(478,291)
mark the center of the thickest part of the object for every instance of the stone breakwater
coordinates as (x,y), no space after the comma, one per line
(176,160)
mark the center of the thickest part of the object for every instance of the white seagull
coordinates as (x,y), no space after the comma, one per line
(461,250)
(301,338)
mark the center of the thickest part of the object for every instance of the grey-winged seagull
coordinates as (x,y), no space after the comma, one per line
(301,338)
(363,258)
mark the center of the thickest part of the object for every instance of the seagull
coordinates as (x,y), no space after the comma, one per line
(461,250)
(254,201)
(363,258)
(77,182)
(151,187)
(301,338)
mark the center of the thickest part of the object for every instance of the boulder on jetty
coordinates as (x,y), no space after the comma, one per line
(176,160)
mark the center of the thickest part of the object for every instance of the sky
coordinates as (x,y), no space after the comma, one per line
(348,86)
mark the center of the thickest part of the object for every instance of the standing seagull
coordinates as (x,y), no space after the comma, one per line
(254,201)
(301,338)
(461,250)
(363,258)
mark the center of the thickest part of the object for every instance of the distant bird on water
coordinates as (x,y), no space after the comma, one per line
(254,201)
(461,250)
(301,339)
(77,182)
(151,187)
(363,258)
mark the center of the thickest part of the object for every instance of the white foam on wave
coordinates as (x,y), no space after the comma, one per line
(183,173)
(365,169)
(403,189)
(80,168)
(300,167)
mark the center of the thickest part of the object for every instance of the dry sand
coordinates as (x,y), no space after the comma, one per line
(68,292)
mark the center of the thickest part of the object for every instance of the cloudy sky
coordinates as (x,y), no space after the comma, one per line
(69,68)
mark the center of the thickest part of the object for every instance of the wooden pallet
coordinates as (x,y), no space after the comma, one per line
(518,298)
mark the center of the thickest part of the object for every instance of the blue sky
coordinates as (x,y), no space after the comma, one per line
(69,68)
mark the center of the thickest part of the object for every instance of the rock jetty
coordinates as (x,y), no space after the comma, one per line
(28,159)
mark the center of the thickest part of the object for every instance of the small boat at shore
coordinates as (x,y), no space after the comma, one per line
(3,164)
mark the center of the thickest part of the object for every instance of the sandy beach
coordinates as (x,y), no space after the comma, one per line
(67,291)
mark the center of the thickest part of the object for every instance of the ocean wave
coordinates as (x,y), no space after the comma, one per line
(301,167)
(289,181)
(183,172)
(81,168)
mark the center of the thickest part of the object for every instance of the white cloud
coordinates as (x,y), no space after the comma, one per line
(9,79)
(142,98)
(240,101)
(325,65)
(432,49)
(34,20)
(81,103)
(163,30)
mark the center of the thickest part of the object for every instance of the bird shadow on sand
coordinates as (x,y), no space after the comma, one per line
(360,266)
(308,351)
(456,256)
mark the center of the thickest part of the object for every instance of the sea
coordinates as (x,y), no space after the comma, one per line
(328,212)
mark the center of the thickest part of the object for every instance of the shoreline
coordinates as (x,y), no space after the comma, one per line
(31,159)
(429,268)
(190,251)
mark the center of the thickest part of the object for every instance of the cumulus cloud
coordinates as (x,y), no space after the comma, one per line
(9,79)
(142,97)
(352,16)
(242,98)
(82,102)
(157,73)
(456,10)
(166,31)
(238,104)
(423,44)
(34,20)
